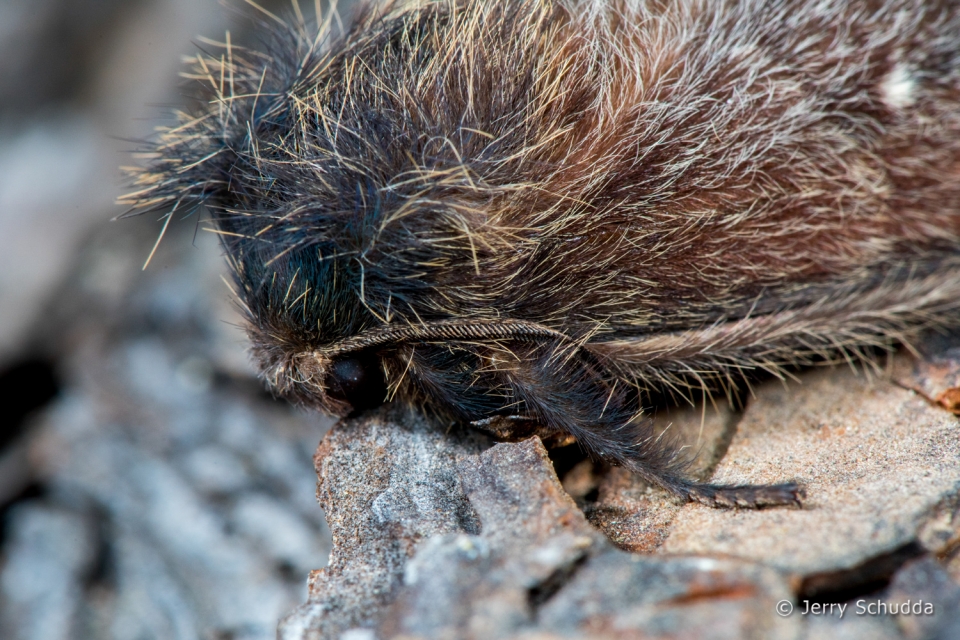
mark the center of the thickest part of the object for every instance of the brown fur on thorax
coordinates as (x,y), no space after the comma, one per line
(549,209)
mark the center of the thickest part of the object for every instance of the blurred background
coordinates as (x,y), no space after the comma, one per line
(149,488)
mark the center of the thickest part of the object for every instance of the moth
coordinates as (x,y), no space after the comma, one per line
(545,211)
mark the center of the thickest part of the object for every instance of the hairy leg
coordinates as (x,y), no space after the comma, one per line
(564,390)
(573,395)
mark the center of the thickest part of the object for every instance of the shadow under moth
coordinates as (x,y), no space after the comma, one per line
(545,211)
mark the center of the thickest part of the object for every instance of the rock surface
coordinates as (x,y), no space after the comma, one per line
(172,498)
(935,373)
(878,463)
(502,552)
(386,485)
(166,495)
(881,525)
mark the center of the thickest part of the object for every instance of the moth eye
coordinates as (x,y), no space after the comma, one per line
(358,380)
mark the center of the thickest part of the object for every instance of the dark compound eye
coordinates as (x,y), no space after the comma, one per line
(358,380)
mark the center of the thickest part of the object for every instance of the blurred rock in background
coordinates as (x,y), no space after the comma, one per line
(148,487)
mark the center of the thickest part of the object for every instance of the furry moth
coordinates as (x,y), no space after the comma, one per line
(546,209)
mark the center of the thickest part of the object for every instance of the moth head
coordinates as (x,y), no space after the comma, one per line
(300,310)
(337,384)
(339,213)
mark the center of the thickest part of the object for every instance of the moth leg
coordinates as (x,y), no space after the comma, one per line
(642,458)
(575,396)
(747,496)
